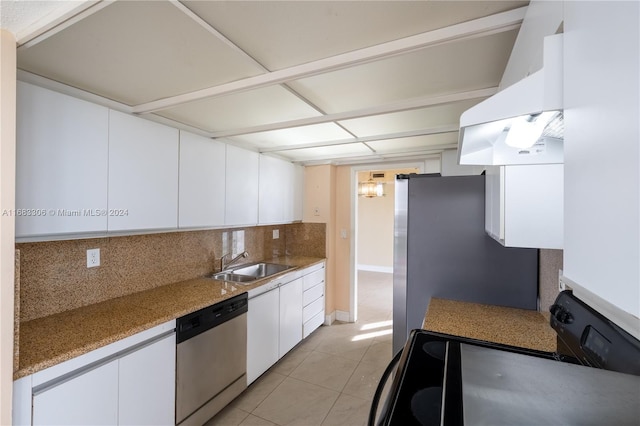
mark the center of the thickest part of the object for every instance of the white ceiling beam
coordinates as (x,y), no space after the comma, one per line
(399,135)
(405,105)
(481,27)
(217,34)
(359,159)
(212,30)
(41,31)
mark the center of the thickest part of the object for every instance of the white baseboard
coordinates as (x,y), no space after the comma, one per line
(342,316)
(330,319)
(376,268)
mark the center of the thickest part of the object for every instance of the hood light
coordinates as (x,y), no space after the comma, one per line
(527,129)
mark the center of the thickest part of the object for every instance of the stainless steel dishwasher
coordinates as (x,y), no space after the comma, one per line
(211,359)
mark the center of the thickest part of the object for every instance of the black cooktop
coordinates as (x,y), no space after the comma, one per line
(449,380)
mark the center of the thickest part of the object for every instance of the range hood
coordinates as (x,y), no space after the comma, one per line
(522,124)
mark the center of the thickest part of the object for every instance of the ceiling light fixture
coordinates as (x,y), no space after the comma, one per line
(371,188)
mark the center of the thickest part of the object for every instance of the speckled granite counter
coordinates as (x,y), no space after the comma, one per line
(50,340)
(509,326)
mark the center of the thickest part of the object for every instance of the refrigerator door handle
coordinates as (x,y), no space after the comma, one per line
(378,394)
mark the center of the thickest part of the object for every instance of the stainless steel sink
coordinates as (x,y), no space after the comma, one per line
(228,276)
(261,270)
(248,273)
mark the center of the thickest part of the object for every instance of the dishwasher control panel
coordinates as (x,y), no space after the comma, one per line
(200,321)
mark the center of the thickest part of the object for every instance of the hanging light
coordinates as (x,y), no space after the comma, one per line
(371,188)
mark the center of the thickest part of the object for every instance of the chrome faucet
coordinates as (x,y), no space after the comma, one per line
(235,259)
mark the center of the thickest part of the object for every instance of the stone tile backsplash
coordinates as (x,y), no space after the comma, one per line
(54,276)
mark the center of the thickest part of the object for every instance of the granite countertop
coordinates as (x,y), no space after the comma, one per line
(47,341)
(498,324)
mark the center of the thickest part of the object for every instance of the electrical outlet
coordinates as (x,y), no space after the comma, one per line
(276,234)
(316,211)
(93,258)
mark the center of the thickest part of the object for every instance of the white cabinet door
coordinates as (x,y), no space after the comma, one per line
(524,205)
(290,316)
(88,399)
(147,384)
(279,191)
(61,163)
(298,192)
(262,333)
(202,182)
(272,190)
(143,174)
(494,202)
(241,188)
(602,155)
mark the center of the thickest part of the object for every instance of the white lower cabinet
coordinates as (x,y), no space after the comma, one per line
(147,378)
(263,320)
(129,382)
(290,316)
(90,398)
(274,326)
(313,299)
(280,317)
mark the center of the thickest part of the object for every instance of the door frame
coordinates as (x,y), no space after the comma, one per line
(421,165)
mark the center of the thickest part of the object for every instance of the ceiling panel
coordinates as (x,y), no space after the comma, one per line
(294,136)
(449,68)
(280,34)
(414,143)
(326,152)
(245,109)
(135,52)
(418,119)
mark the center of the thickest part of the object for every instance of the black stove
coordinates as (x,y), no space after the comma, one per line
(447,380)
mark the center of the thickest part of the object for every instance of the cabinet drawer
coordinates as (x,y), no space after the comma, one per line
(315,322)
(312,294)
(312,309)
(313,279)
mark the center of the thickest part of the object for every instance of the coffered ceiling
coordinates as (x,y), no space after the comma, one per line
(310,81)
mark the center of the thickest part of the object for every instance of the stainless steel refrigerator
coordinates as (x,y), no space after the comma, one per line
(442,250)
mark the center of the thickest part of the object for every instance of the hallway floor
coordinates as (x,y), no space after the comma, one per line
(330,377)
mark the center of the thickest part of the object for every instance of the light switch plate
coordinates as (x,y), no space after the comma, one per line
(276,234)
(93,258)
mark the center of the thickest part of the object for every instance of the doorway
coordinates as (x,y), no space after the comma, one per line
(372,220)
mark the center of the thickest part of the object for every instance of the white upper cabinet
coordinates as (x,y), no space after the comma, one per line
(602,155)
(273,192)
(524,205)
(280,191)
(241,189)
(143,174)
(298,191)
(202,182)
(61,166)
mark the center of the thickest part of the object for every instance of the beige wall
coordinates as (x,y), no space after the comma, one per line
(319,207)
(7,222)
(375,227)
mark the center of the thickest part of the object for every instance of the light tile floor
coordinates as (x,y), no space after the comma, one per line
(330,377)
